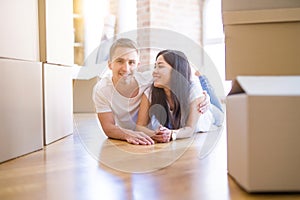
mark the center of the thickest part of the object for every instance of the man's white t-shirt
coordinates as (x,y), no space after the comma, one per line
(107,99)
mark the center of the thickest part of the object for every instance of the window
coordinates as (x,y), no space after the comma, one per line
(213,41)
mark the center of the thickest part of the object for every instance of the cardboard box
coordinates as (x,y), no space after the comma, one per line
(58,102)
(21,107)
(37,30)
(19,35)
(234,5)
(261,38)
(83,95)
(263,133)
(85,78)
(56,31)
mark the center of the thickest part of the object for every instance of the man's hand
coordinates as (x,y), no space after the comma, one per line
(111,130)
(205,104)
(138,138)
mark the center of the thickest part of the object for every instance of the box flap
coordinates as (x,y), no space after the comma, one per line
(267,85)
(261,16)
(236,88)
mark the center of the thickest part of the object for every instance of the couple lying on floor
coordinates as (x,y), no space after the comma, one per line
(158,106)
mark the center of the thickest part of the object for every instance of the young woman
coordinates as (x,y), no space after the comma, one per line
(168,108)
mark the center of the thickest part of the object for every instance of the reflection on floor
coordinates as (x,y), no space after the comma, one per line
(122,156)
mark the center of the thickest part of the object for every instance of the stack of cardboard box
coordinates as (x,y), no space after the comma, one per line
(36,53)
(262,58)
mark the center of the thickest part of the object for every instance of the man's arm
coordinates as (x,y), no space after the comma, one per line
(113,131)
(205,104)
(196,89)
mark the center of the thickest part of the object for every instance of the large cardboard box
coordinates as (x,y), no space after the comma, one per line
(37,30)
(58,102)
(56,31)
(261,37)
(19,35)
(263,130)
(21,108)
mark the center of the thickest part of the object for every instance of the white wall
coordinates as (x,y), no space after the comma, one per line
(94,12)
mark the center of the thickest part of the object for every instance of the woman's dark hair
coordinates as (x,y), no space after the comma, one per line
(180,90)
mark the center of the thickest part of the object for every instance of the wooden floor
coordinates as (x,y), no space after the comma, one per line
(86,165)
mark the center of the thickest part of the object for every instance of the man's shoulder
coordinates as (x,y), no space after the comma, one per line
(103,84)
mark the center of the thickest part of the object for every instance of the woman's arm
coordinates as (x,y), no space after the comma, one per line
(185,132)
(143,117)
(162,134)
(192,120)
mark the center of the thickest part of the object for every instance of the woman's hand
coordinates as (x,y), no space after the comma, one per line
(163,135)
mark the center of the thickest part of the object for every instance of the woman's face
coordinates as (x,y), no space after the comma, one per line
(162,73)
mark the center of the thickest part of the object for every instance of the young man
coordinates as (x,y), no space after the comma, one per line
(117,98)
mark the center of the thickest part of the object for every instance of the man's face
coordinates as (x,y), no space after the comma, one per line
(123,63)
